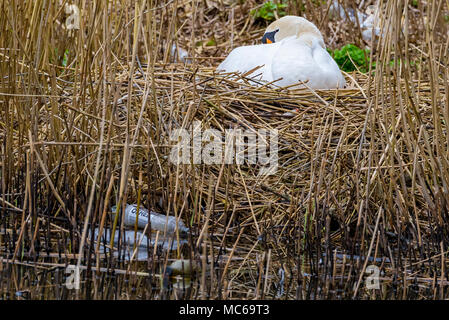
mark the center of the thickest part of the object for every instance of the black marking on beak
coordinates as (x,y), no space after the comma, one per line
(269,37)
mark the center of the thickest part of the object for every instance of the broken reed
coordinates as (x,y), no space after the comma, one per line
(362,171)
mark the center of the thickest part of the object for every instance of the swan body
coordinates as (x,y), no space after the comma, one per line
(246,58)
(294,55)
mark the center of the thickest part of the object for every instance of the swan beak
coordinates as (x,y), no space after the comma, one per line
(268,37)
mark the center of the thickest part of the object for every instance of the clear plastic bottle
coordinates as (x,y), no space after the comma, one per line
(158,221)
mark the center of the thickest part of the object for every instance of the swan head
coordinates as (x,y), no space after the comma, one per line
(289,26)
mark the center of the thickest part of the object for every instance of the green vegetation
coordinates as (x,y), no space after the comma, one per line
(56,58)
(350,58)
(267,11)
(211,42)
(65,58)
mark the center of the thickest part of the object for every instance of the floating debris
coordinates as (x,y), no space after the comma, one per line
(368,20)
(370,24)
(336,9)
(280,286)
(182,284)
(23,295)
(138,246)
(182,266)
(180,271)
(158,222)
(178,54)
(356,257)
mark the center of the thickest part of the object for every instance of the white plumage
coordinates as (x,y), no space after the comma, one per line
(297,54)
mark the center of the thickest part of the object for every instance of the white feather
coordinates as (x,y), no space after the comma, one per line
(293,60)
(246,58)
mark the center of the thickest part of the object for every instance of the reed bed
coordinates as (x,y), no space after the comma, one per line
(86,118)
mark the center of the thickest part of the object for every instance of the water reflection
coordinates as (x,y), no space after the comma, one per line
(137,246)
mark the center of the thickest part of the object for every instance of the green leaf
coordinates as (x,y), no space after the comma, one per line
(266,12)
(65,58)
(350,58)
(211,43)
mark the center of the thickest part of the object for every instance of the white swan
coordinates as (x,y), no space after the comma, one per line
(293,51)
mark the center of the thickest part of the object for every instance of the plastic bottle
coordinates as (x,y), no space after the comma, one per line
(158,221)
